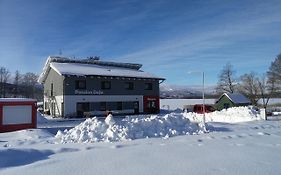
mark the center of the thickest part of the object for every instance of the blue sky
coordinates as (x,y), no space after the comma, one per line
(170,38)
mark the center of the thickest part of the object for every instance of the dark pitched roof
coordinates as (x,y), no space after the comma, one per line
(236,98)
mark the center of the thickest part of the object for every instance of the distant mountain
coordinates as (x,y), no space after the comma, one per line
(176,91)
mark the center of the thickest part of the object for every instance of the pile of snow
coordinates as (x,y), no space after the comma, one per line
(230,115)
(41,118)
(94,130)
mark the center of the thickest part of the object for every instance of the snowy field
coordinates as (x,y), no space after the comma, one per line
(237,142)
(173,104)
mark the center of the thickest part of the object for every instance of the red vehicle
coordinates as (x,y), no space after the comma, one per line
(198,108)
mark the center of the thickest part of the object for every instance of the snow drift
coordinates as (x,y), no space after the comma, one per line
(136,127)
(230,115)
(130,128)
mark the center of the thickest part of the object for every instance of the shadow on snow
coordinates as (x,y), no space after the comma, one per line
(20,157)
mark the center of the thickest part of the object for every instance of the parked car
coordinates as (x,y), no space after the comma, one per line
(198,108)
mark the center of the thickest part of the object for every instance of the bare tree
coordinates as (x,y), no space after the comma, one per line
(17,83)
(227,80)
(4,76)
(267,89)
(29,81)
(249,86)
(274,72)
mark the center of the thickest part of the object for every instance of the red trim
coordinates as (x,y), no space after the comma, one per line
(17,103)
(7,128)
(1,116)
(146,100)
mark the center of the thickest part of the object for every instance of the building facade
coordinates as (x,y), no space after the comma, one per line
(228,100)
(93,87)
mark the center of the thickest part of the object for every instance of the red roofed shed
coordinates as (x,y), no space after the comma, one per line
(17,114)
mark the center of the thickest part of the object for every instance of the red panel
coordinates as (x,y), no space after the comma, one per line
(1,116)
(7,128)
(34,115)
(146,100)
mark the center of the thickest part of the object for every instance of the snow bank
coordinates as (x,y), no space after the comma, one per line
(94,130)
(41,118)
(130,128)
(230,115)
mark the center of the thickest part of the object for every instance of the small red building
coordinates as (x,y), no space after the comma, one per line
(198,108)
(17,114)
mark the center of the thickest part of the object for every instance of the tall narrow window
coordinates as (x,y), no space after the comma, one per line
(80,84)
(52,89)
(102,106)
(105,85)
(119,106)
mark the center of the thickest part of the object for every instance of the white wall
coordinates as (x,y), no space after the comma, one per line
(17,114)
(179,103)
(59,100)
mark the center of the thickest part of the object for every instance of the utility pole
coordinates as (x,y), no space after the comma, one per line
(203,98)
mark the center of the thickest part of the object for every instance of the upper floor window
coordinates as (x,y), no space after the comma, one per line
(129,85)
(80,84)
(105,85)
(148,86)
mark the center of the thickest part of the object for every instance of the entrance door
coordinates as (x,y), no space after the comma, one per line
(81,108)
(136,107)
(151,104)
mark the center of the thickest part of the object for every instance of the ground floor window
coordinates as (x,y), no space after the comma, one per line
(128,106)
(81,108)
(102,106)
(119,106)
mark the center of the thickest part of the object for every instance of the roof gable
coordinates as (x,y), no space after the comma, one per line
(237,98)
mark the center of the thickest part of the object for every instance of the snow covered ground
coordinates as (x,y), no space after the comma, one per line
(169,143)
(173,104)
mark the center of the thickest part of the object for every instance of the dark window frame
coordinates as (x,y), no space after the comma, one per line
(148,86)
(52,89)
(78,84)
(119,105)
(103,85)
(102,106)
(129,85)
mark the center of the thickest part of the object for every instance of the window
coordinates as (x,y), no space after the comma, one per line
(128,105)
(94,106)
(111,106)
(102,106)
(105,85)
(52,89)
(129,85)
(148,86)
(80,84)
(81,108)
(119,105)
